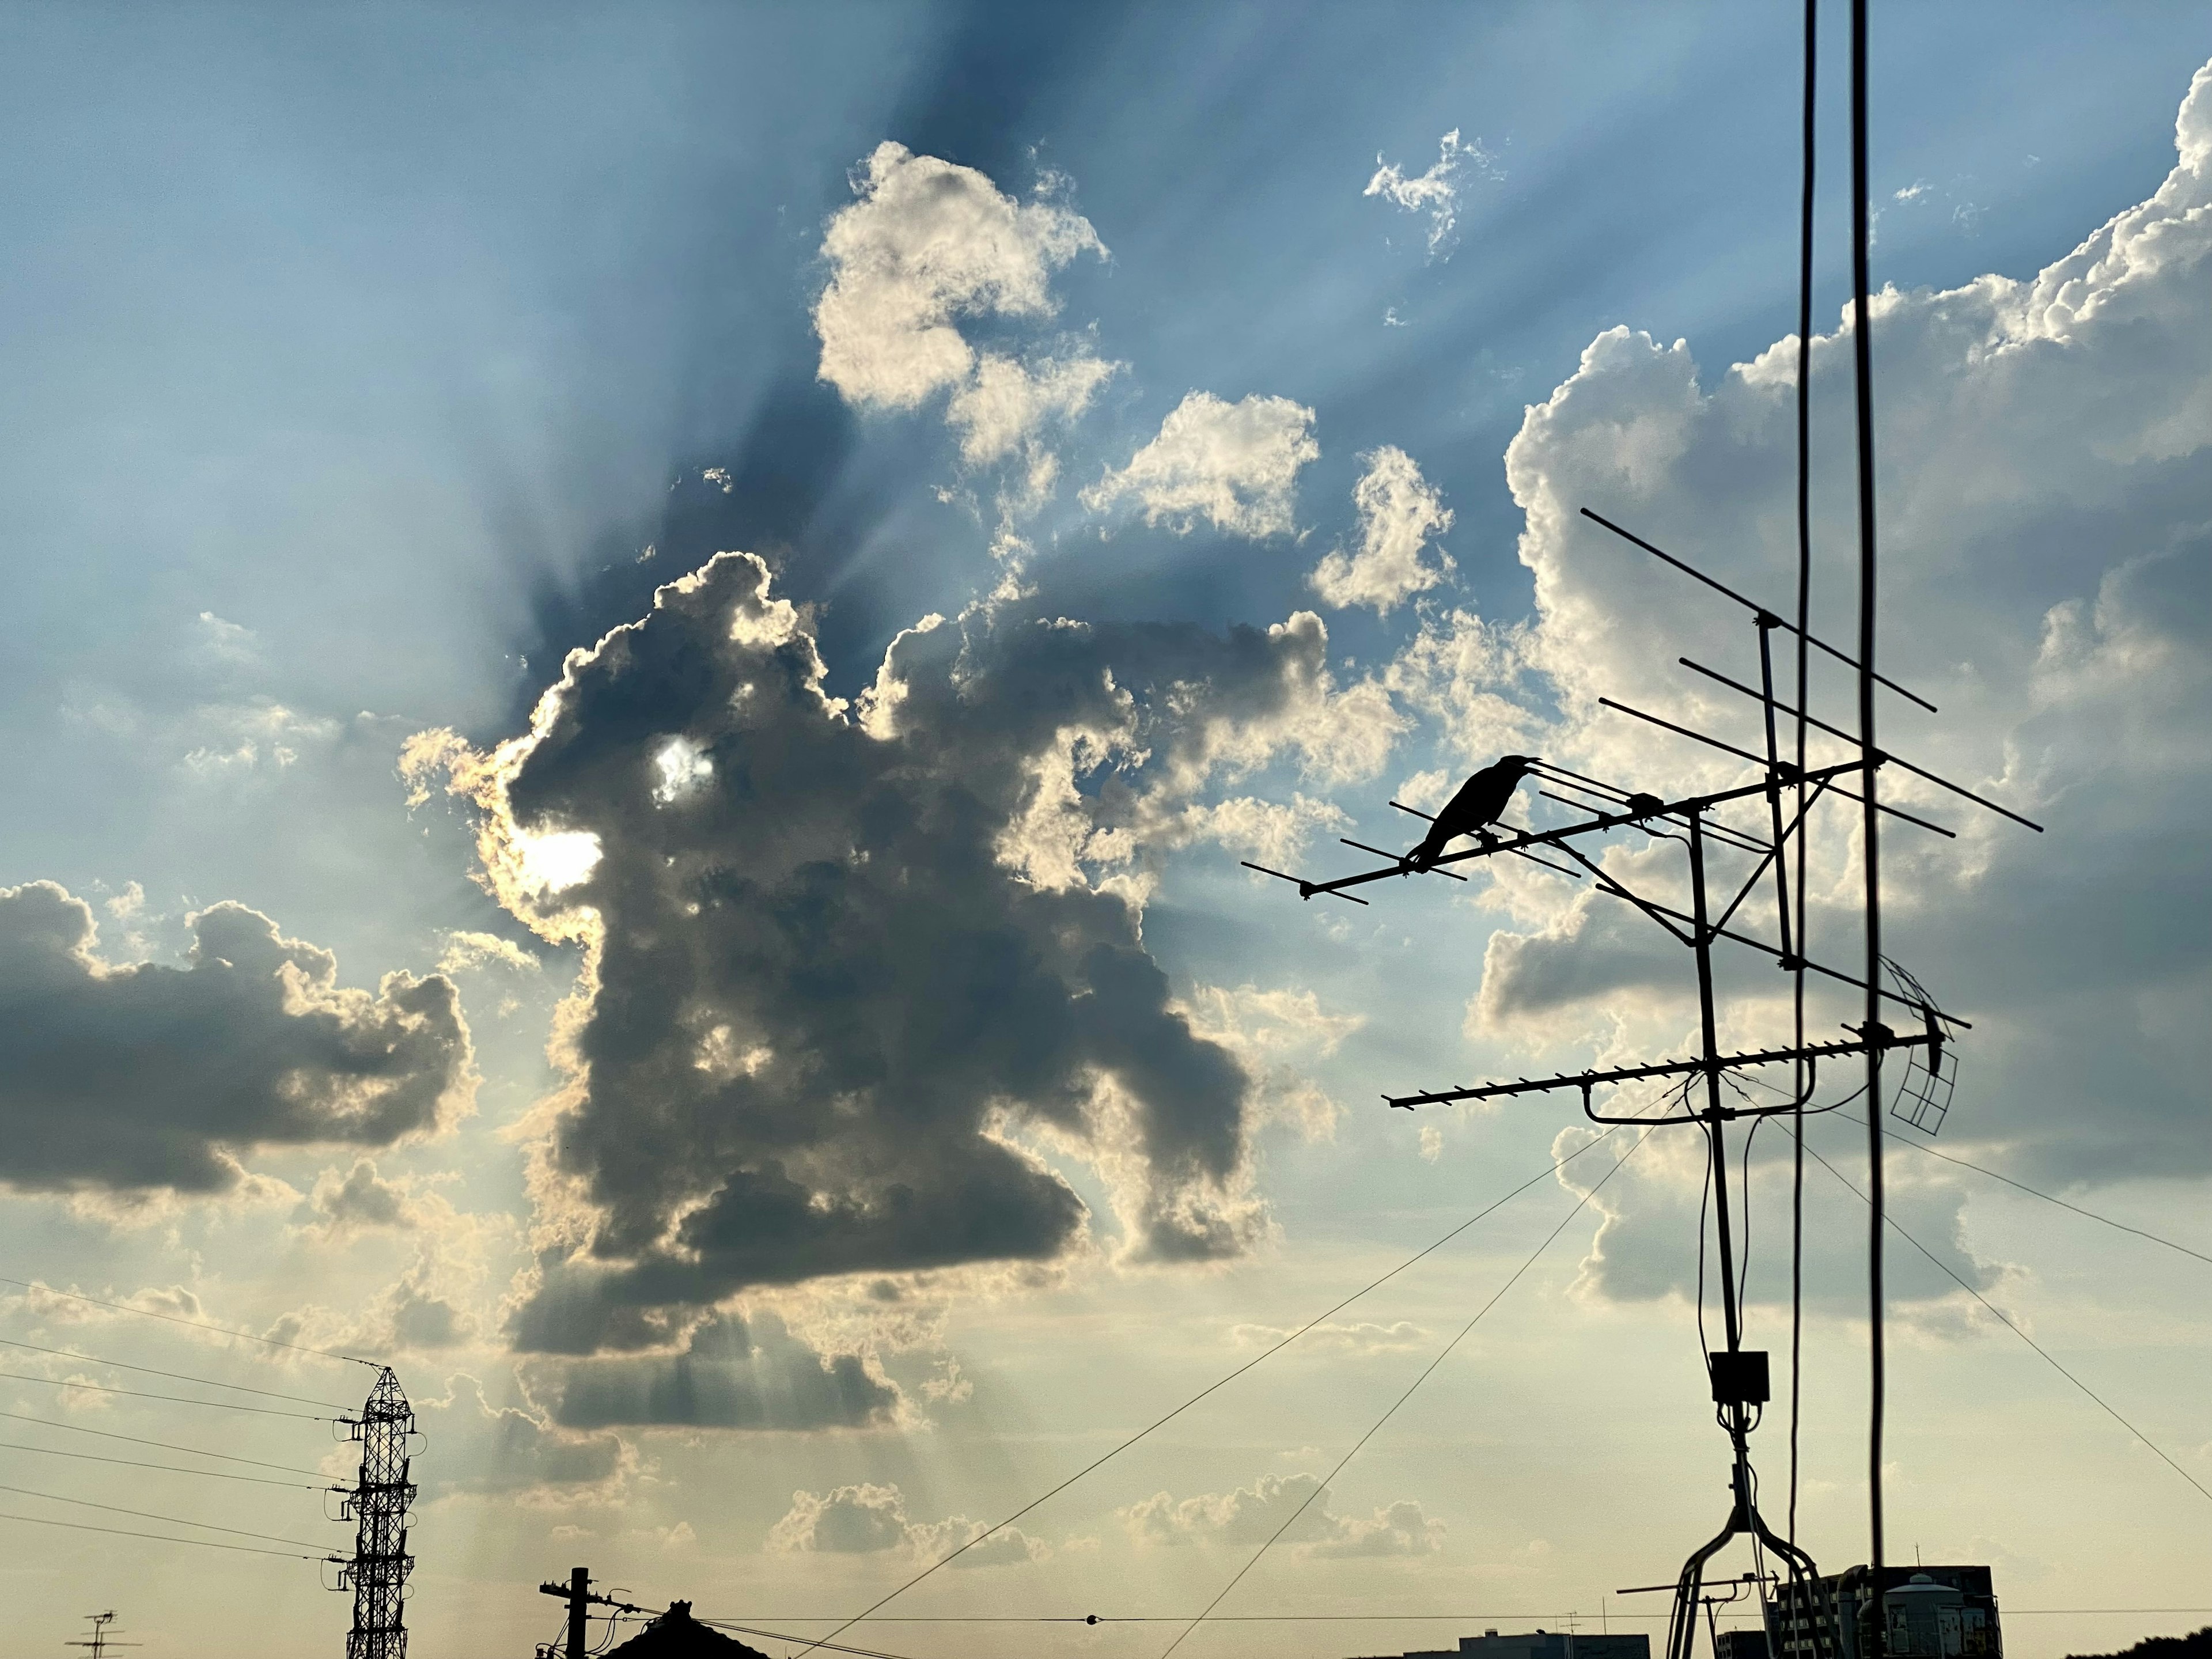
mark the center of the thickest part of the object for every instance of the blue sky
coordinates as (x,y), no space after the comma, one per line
(362,363)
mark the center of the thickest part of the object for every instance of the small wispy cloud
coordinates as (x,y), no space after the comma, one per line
(1435,193)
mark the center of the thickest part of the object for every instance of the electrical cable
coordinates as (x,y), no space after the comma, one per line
(2021,1334)
(1862,370)
(169,1468)
(146,1515)
(1304,1618)
(173,1399)
(1444,1354)
(174,1377)
(197,1324)
(1550,1171)
(160,1445)
(119,1532)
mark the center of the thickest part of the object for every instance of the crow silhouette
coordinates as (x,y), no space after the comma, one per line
(1477,804)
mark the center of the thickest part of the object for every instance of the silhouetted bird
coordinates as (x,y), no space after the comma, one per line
(1478,804)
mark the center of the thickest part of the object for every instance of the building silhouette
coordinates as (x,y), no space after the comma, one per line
(1928,1613)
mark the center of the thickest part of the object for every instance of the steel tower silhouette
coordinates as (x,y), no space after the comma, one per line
(379,1501)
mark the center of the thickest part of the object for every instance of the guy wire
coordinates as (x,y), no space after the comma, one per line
(1426,1371)
(1550,1170)
(2009,1325)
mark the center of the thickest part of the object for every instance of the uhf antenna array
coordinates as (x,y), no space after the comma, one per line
(1788,792)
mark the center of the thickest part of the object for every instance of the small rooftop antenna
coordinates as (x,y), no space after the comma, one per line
(100,1641)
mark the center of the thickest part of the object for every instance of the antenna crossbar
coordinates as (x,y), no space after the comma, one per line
(1587,1080)
(1546,837)
(1754,607)
(1880,756)
(1760,760)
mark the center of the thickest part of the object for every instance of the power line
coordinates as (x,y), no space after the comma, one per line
(2022,1334)
(1310,1617)
(174,1377)
(146,1515)
(171,1468)
(173,1399)
(119,1532)
(160,1445)
(1426,1371)
(197,1324)
(1552,1169)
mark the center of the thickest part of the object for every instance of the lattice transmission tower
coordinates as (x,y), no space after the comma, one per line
(379,1502)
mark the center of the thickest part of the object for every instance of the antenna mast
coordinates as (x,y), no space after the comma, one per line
(379,1500)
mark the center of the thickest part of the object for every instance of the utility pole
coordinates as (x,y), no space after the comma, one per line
(579,1595)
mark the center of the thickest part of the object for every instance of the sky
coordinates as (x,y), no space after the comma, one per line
(642,645)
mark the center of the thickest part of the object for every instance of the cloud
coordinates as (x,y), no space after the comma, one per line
(829,1038)
(928,246)
(360,1199)
(1250,1514)
(131,1077)
(1234,465)
(730,1374)
(508,1452)
(2046,525)
(869,1520)
(1435,193)
(1399,511)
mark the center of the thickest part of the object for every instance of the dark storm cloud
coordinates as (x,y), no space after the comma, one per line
(730,1375)
(145,1076)
(833,950)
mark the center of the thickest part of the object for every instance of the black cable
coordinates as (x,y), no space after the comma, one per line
(1442,1354)
(197,1324)
(1550,1171)
(1863,364)
(160,1445)
(1295,1618)
(1704,1203)
(174,1377)
(1804,704)
(2020,1333)
(173,1399)
(146,1515)
(119,1532)
(170,1468)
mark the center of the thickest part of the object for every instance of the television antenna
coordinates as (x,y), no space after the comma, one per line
(1762,822)
(100,1641)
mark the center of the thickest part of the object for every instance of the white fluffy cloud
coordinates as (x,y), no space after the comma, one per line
(2046,532)
(1233,464)
(1398,512)
(929,246)
(1251,1515)
(1435,193)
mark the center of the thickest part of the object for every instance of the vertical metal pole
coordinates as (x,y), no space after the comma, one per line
(1704,939)
(1862,350)
(1768,624)
(579,1590)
